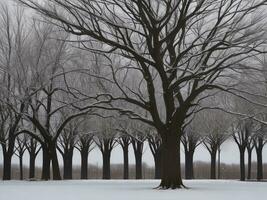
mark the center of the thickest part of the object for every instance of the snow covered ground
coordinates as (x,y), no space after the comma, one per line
(130,190)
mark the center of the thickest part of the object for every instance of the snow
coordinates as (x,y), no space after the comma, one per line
(130,190)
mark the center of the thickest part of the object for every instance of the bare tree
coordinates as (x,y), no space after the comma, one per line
(171,47)
(259,142)
(190,140)
(19,152)
(106,141)
(155,143)
(84,145)
(33,149)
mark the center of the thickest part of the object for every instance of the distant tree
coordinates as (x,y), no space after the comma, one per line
(125,140)
(190,140)
(66,145)
(241,133)
(19,152)
(84,146)
(259,142)
(215,130)
(33,149)
(106,141)
(155,142)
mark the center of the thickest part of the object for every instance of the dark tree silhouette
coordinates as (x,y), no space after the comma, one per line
(155,143)
(171,46)
(190,141)
(20,149)
(84,146)
(241,134)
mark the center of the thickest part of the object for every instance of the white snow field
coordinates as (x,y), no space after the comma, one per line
(130,190)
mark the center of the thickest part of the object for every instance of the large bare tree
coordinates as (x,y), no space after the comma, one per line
(176,49)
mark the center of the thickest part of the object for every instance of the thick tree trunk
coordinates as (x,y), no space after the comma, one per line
(125,162)
(7,166)
(213,165)
(249,165)
(170,161)
(189,168)
(106,165)
(67,162)
(259,164)
(138,165)
(84,164)
(242,164)
(46,164)
(55,165)
(157,159)
(21,167)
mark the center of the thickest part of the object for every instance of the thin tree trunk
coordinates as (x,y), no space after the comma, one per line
(157,159)
(219,163)
(170,162)
(84,164)
(138,165)
(67,161)
(249,164)
(189,169)
(125,162)
(259,164)
(213,165)
(21,167)
(242,164)
(106,165)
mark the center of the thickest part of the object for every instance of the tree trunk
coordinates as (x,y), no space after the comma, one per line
(157,159)
(67,162)
(138,165)
(125,162)
(189,169)
(21,167)
(213,165)
(106,165)
(7,166)
(242,164)
(249,164)
(259,164)
(170,161)
(84,164)
(219,163)
(55,165)
(46,164)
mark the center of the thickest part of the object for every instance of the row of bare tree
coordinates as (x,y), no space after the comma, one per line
(155,63)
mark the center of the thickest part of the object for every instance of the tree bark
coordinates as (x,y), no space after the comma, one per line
(55,165)
(170,161)
(213,164)
(106,165)
(249,164)
(84,164)
(46,164)
(242,164)
(138,165)
(67,162)
(21,167)
(189,169)
(125,162)
(7,166)
(259,164)
(157,159)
